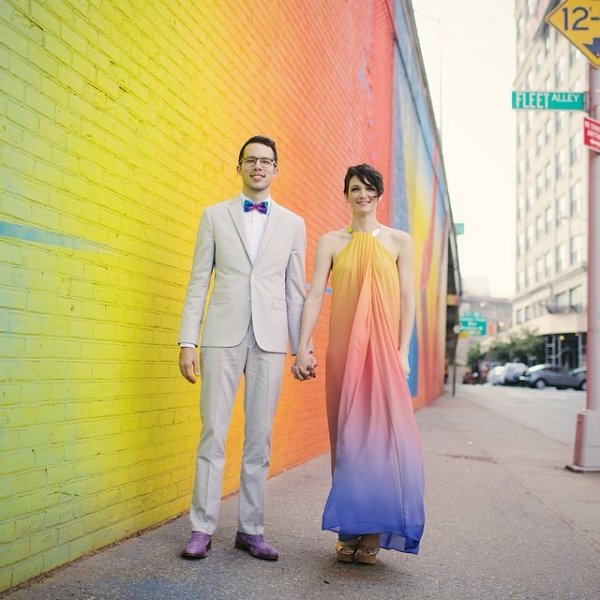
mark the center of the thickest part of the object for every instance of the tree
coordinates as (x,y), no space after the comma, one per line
(526,347)
(473,357)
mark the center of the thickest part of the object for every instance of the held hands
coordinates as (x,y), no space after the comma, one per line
(304,366)
(189,365)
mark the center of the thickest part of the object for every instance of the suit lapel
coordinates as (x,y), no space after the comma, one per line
(236,215)
(275,216)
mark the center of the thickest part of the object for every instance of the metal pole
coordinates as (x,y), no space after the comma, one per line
(586,455)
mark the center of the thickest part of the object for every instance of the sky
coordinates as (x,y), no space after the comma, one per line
(468,48)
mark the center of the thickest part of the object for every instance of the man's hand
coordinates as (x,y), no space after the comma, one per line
(304,367)
(188,364)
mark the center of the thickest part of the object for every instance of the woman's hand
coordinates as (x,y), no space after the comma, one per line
(404,363)
(304,366)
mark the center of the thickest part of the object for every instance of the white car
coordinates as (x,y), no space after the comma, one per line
(495,375)
(512,372)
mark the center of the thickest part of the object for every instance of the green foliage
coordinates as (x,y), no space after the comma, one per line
(526,347)
(474,356)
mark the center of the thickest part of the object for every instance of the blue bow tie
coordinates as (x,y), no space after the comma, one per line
(261,207)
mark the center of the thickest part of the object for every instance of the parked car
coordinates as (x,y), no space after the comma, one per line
(495,375)
(512,372)
(581,375)
(540,376)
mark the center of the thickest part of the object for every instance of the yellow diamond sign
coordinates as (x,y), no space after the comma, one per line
(579,22)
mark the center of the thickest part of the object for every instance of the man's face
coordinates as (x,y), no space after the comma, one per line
(258,176)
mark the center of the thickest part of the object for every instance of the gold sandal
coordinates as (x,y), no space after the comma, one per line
(367,550)
(366,555)
(344,551)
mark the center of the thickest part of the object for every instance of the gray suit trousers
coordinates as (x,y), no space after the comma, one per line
(221,371)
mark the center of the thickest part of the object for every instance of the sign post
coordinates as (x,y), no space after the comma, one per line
(474,324)
(579,22)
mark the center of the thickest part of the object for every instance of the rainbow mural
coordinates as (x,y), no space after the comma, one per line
(121,121)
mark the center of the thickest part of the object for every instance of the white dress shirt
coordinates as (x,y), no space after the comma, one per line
(255,223)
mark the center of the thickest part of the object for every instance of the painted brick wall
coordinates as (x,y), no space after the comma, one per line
(120,121)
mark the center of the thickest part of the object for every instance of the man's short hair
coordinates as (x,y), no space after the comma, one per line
(259,139)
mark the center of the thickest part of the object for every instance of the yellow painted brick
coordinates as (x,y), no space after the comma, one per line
(19,550)
(56,556)
(13,86)
(36,147)
(18,161)
(13,39)
(50,131)
(30,481)
(14,506)
(59,473)
(26,569)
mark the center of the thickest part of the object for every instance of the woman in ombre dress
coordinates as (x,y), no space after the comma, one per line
(376,497)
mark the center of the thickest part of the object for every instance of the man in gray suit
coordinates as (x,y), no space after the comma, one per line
(256,250)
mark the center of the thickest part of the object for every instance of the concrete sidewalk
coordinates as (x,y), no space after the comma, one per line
(505,520)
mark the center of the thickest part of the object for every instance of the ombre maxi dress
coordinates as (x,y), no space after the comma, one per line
(377,466)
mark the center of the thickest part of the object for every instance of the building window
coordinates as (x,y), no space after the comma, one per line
(529,276)
(576,298)
(572,55)
(560,69)
(575,199)
(521,170)
(539,142)
(529,237)
(519,316)
(560,300)
(521,203)
(539,269)
(528,313)
(560,163)
(548,264)
(539,227)
(520,243)
(529,118)
(575,148)
(548,174)
(520,281)
(521,133)
(561,209)
(561,255)
(548,130)
(559,122)
(576,249)
(547,219)
(548,39)
(529,198)
(539,185)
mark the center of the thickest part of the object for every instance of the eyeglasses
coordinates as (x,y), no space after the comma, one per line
(252,160)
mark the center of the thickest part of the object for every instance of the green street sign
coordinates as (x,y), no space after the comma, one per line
(473,325)
(548,100)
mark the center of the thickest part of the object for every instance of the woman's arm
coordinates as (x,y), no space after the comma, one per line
(305,362)
(407,296)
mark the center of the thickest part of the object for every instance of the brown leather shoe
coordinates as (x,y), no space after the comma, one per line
(197,546)
(256,546)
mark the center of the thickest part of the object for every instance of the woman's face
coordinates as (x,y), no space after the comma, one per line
(362,197)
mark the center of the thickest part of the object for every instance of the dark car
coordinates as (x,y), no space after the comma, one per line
(540,376)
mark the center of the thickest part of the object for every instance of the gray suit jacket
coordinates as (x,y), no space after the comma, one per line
(270,291)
